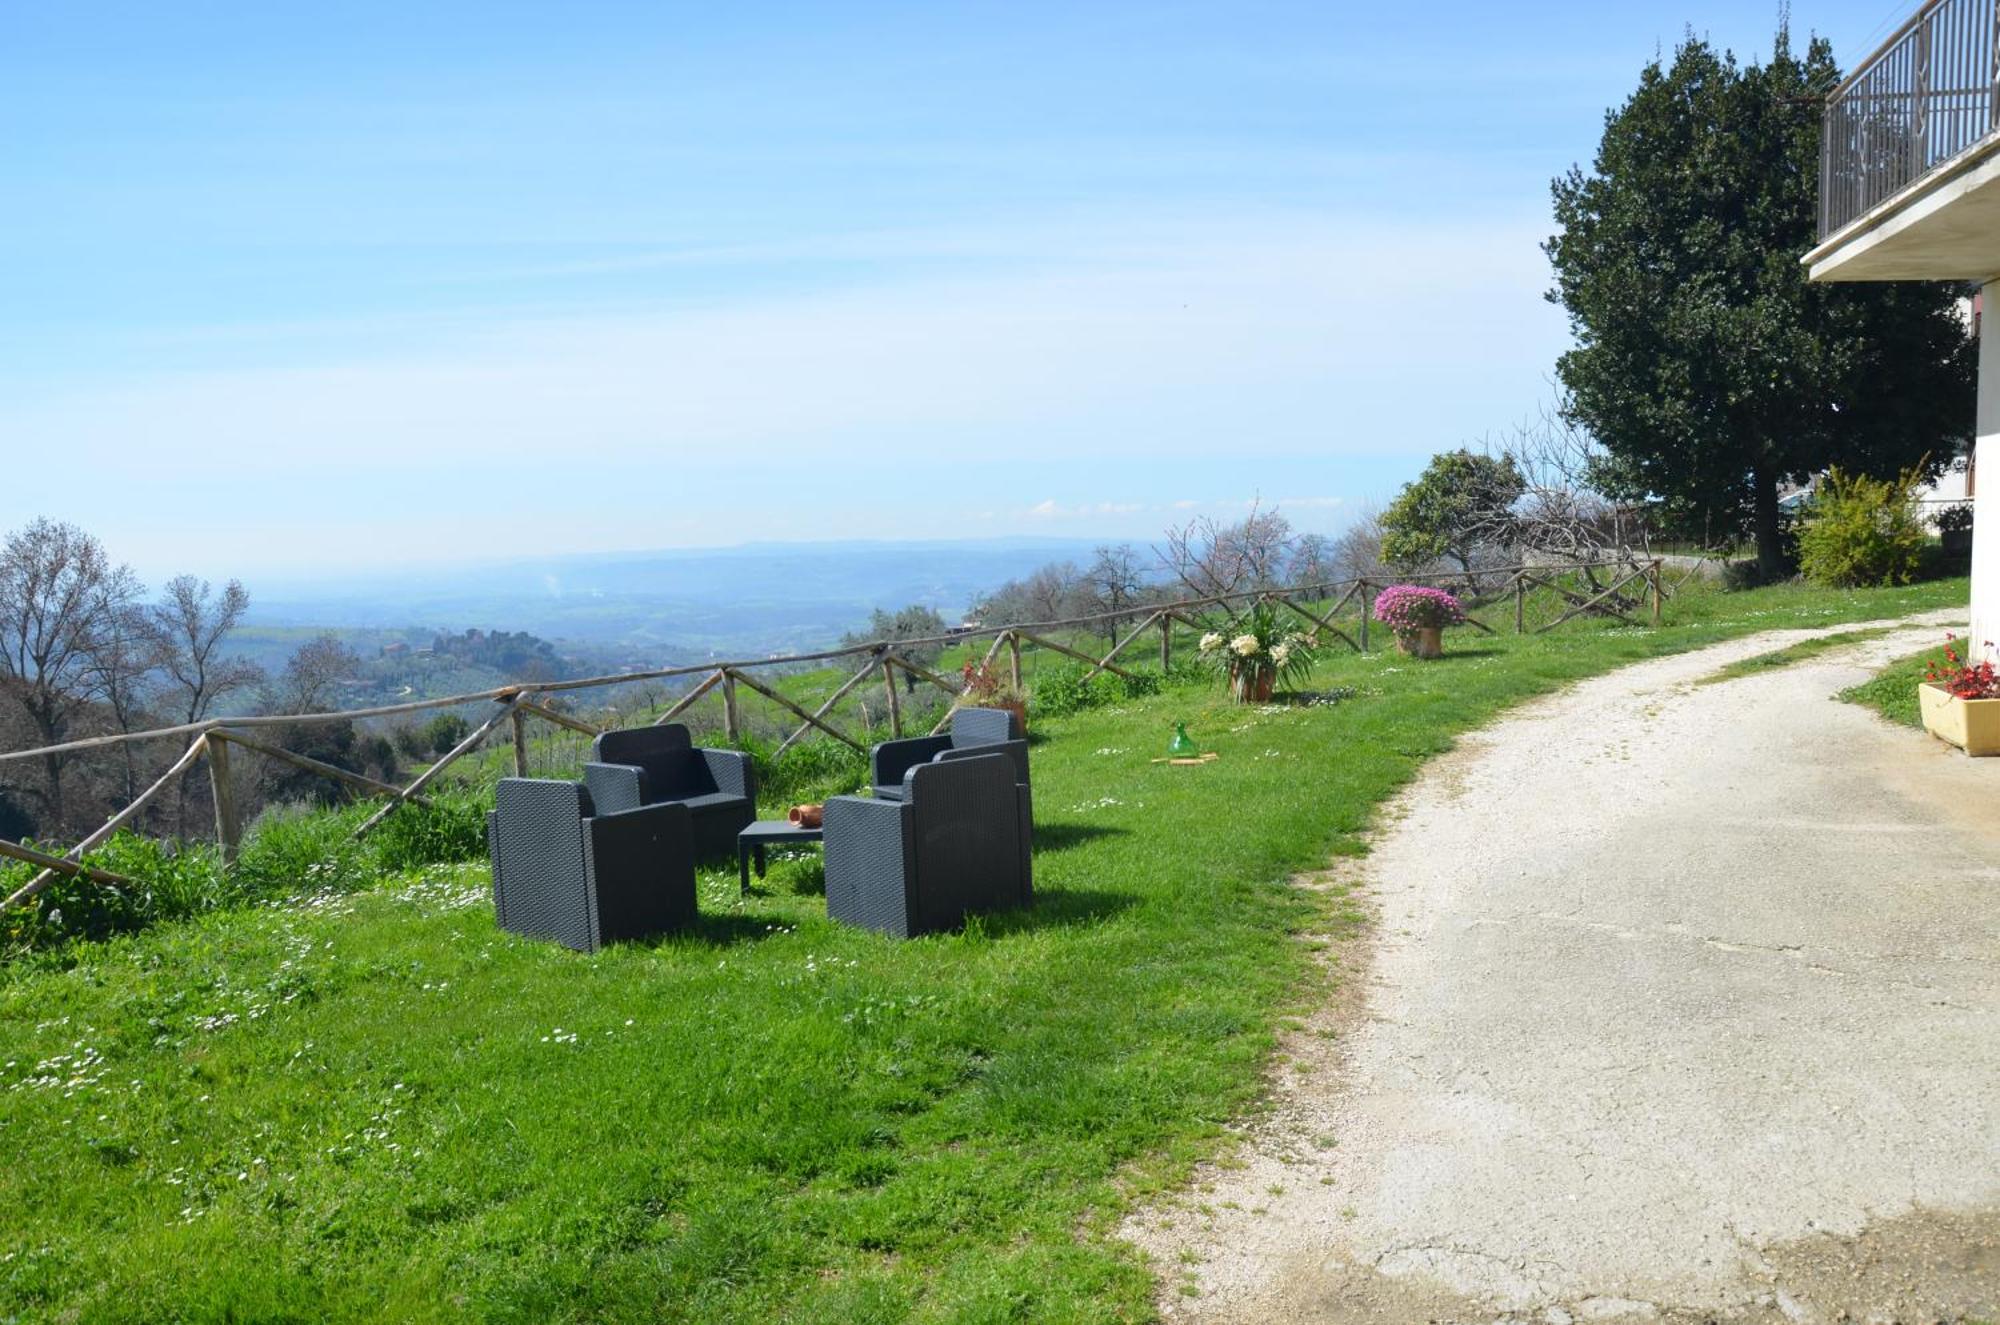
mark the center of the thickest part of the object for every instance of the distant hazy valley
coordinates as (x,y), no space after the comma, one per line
(636,609)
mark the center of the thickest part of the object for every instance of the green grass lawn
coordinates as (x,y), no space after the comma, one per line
(375,1106)
(1803,651)
(1892,692)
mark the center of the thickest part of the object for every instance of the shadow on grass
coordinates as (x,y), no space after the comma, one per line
(1063,836)
(1305,699)
(1060,907)
(711,929)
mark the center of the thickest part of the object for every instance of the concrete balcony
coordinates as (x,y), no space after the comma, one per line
(1910,157)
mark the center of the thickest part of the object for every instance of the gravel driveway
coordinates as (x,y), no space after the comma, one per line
(1682,1002)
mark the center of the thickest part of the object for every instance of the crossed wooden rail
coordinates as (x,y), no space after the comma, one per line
(213,738)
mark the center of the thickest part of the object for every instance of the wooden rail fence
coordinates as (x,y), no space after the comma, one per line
(883,659)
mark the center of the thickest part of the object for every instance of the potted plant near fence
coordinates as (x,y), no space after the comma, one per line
(1960,701)
(986,687)
(1417,615)
(1260,654)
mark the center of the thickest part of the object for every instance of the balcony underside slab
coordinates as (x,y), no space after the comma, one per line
(1945,227)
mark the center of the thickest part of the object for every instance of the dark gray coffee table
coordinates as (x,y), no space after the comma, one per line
(767,832)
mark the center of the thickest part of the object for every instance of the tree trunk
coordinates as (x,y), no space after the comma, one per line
(1770,549)
(53,797)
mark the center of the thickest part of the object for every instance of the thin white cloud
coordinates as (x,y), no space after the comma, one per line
(1054,510)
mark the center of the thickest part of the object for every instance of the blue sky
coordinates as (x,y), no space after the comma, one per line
(294,287)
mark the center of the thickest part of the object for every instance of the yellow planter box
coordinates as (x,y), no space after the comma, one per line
(1973,725)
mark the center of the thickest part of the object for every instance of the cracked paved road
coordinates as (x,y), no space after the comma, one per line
(1682,1003)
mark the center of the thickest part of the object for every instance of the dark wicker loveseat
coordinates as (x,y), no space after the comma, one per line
(563,871)
(655,765)
(974,731)
(957,842)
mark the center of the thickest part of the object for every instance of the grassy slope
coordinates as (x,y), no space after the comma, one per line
(364,1109)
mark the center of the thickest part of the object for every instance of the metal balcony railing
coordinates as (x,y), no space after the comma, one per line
(1927,97)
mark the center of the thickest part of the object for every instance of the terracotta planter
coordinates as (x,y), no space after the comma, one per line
(1251,683)
(1424,642)
(808,816)
(1973,725)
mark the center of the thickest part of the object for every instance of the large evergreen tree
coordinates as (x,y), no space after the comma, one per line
(1706,364)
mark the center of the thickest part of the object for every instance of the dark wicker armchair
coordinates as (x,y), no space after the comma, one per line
(973,732)
(655,765)
(563,871)
(958,842)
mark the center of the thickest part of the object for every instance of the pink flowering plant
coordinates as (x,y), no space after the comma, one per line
(1409,608)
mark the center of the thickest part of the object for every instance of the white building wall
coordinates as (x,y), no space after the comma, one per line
(1986,491)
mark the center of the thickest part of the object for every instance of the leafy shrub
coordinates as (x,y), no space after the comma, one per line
(291,850)
(1955,518)
(1061,690)
(15,821)
(451,828)
(171,881)
(301,849)
(443,732)
(812,770)
(1742,574)
(1862,531)
(378,757)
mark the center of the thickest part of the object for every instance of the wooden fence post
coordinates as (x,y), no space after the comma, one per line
(1659,593)
(732,720)
(895,703)
(520,742)
(1014,662)
(1166,644)
(1367,610)
(228,828)
(1520,604)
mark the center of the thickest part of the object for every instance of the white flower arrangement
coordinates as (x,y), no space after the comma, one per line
(1263,652)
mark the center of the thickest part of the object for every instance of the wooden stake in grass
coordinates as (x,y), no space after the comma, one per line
(889,690)
(732,719)
(228,827)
